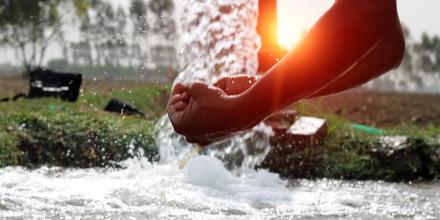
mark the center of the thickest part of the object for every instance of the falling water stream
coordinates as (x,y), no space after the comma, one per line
(218,39)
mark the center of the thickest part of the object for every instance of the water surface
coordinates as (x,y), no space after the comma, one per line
(146,191)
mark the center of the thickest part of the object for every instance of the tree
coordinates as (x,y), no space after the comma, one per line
(31,26)
(164,22)
(407,63)
(428,51)
(99,29)
(138,13)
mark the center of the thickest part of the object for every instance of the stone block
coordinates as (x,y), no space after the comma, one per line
(305,132)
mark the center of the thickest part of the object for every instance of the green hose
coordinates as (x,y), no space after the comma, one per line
(367,129)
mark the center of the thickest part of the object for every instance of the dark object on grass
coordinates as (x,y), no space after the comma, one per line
(49,83)
(15,98)
(120,107)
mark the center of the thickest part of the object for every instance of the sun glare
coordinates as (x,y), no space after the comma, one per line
(288,37)
(297,16)
(289,30)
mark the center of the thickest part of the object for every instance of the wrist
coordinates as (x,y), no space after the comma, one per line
(245,111)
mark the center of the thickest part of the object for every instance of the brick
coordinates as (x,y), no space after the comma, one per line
(305,132)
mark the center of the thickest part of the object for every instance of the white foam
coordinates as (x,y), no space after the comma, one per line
(205,190)
(208,171)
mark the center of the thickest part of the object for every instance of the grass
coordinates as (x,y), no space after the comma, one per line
(49,131)
(349,154)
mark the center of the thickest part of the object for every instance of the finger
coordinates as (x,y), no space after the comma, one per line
(178,98)
(180,106)
(175,98)
(196,89)
(179,88)
(186,97)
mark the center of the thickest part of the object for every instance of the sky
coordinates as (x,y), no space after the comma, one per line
(295,16)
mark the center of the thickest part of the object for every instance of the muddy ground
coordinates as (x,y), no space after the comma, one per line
(384,109)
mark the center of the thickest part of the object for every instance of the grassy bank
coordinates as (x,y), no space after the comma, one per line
(48,131)
(81,134)
(354,155)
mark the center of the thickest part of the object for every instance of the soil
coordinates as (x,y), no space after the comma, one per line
(383,109)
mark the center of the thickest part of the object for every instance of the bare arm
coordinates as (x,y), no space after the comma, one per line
(388,55)
(329,59)
(353,42)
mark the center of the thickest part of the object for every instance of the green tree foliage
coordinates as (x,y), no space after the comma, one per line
(423,55)
(31,26)
(103,30)
(138,13)
(407,63)
(428,51)
(163,23)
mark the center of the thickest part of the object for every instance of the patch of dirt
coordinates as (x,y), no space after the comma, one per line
(383,109)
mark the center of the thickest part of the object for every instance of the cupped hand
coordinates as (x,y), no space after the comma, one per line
(235,85)
(202,113)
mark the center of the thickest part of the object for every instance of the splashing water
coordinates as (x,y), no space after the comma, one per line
(204,190)
(219,39)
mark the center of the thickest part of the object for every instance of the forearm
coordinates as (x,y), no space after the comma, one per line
(387,56)
(345,34)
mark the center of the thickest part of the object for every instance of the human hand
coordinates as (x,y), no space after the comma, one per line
(202,113)
(235,85)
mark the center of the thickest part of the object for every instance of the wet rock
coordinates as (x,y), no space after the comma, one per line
(401,158)
(388,145)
